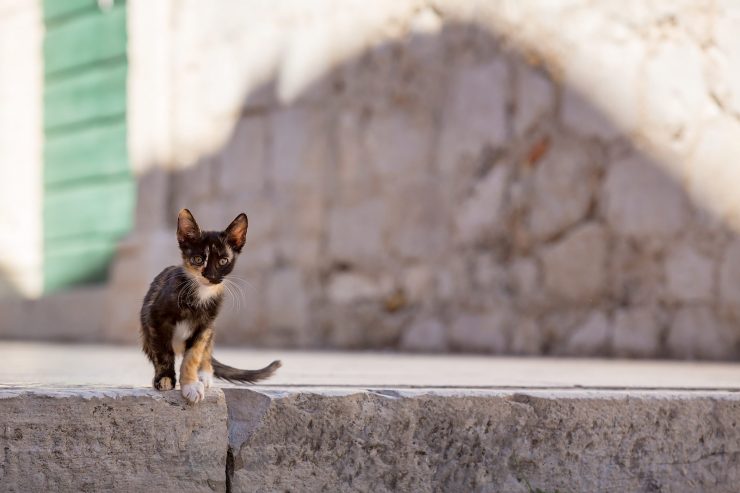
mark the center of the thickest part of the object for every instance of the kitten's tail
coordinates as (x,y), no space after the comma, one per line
(235,375)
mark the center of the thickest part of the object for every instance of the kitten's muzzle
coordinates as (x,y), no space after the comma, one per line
(213,279)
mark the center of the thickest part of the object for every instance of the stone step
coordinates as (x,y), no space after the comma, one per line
(111,440)
(483,440)
(518,425)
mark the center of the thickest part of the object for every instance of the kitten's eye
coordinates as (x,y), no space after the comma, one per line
(223,261)
(197,260)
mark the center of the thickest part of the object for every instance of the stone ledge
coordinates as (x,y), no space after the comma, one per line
(111,440)
(383,439)
(368,422)
(312,439)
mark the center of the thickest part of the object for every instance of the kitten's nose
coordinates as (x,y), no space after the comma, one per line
(213,279)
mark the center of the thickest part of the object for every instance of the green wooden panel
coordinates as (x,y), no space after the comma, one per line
(55,9)
(88,38)
(78,263)
(89,193)
(86,153)
(89,96)
(89,209)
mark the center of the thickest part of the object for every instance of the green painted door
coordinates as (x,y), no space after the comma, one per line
(89,191)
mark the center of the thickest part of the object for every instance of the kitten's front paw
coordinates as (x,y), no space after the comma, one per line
(164,383)
(206,378)
(193,392)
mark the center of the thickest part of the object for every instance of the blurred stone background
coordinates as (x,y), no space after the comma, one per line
(509,177)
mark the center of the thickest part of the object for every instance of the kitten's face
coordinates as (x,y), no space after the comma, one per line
(208,256)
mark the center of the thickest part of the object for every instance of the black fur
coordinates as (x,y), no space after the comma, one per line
(236,375)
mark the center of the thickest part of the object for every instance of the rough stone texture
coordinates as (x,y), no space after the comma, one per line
(455,440)
(113,440)
(384,422)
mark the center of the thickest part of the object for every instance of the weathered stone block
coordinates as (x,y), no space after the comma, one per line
(50,317)
(729,277)
(636,272)
(575,267)
(482,440)
(347,287)
(112,440)
(480,214)
(420,232)
(526,337)
(675,92)
(689,275)
(298,147)
(419,283)
(287,300)
(399,145)
(696,333)
(711,175)
(525,276)
(481,332)
(356,232)
(636,332)
(244,159)
(475,113)
(592,337)
(564,185)
(642,201)
(355,180)
(535,96)
(425,334)
(726,80)
(592,104)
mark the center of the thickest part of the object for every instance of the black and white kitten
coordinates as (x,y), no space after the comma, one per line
(182,303)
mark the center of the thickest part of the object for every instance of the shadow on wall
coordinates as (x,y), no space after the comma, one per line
(440,194)
(8,288)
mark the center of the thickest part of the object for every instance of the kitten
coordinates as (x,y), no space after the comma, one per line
(182,303)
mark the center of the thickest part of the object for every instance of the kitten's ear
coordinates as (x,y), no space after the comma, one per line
(236,233)
(187,228)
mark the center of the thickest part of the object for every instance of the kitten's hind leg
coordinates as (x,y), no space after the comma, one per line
(160,353)
(164,371)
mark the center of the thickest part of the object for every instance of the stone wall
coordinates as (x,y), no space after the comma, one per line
(501,177)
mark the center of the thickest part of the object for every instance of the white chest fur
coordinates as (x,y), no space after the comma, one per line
(182,332)
(207,293)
